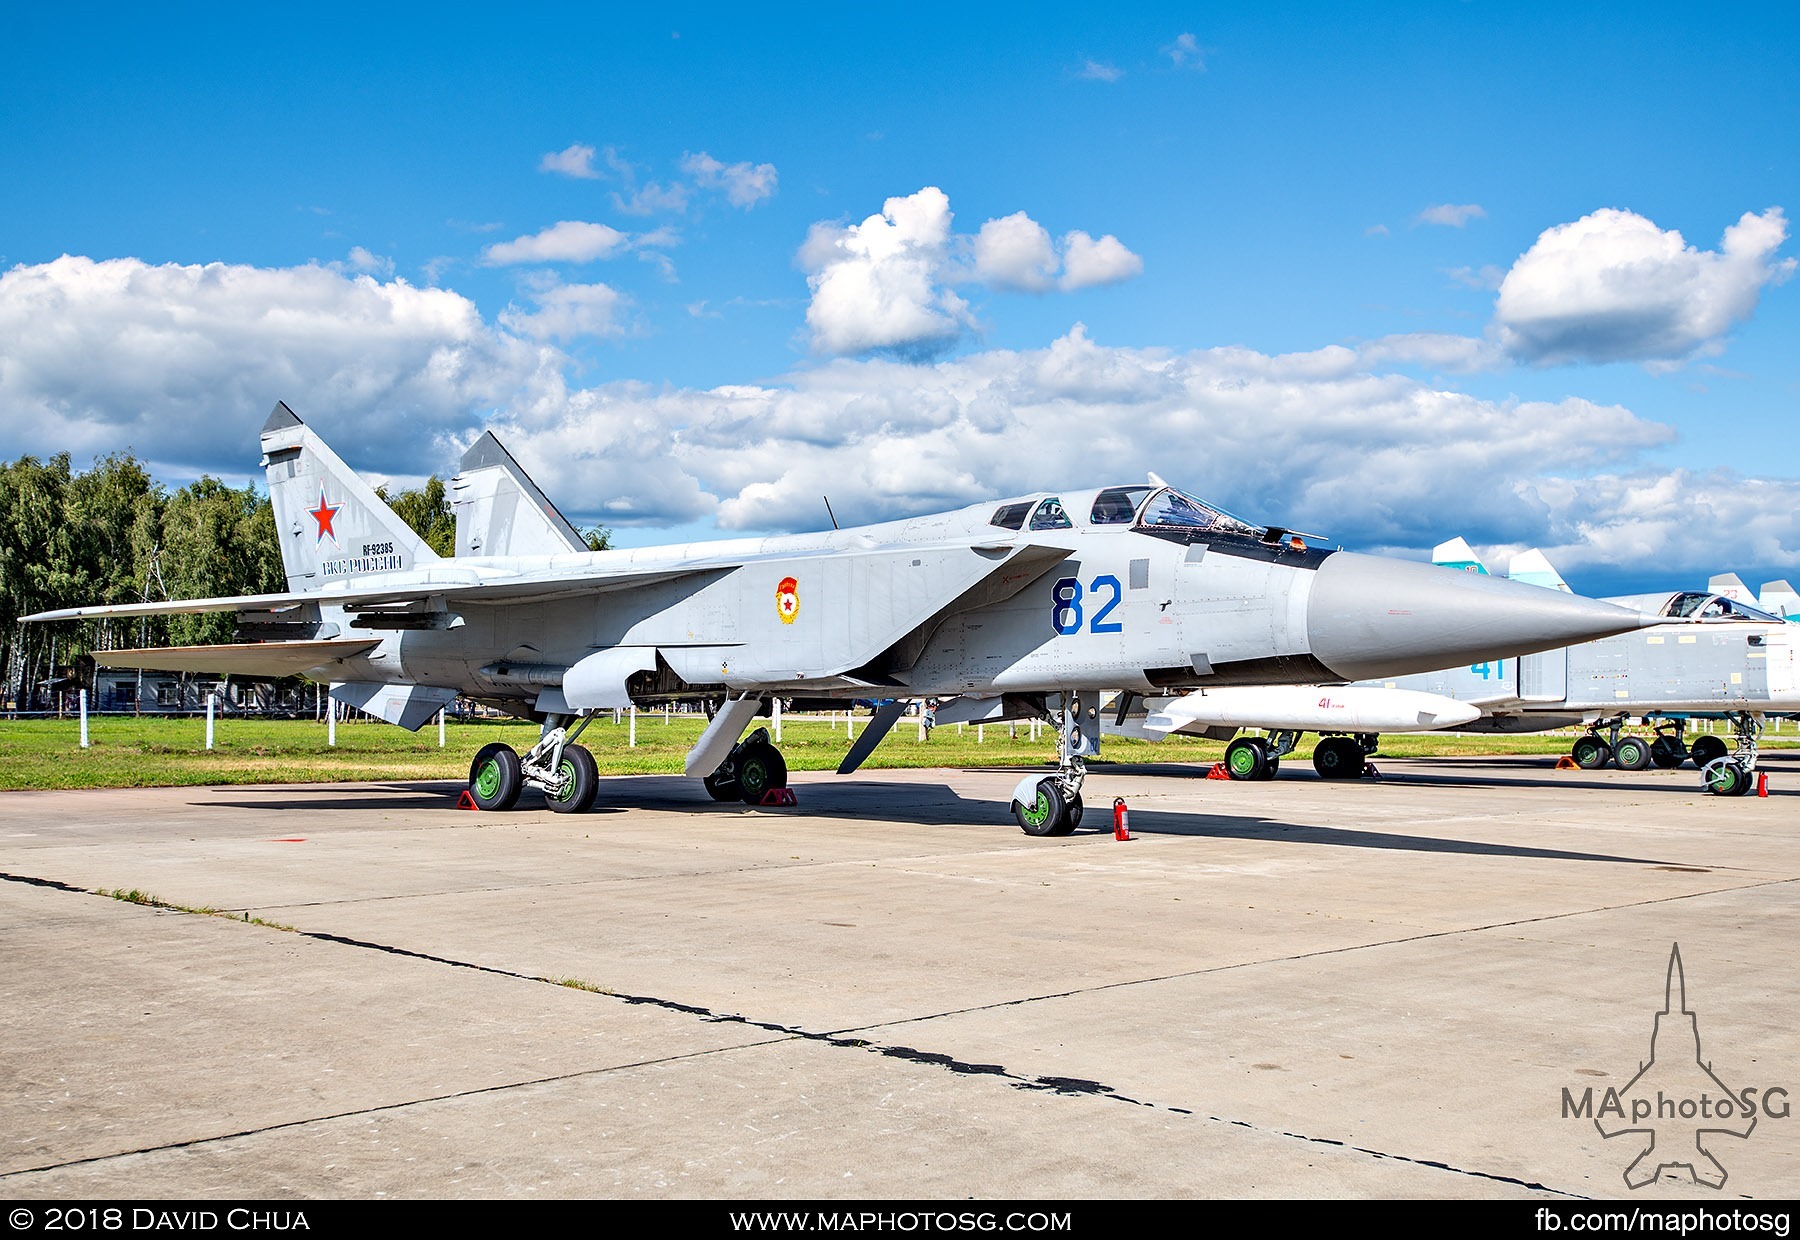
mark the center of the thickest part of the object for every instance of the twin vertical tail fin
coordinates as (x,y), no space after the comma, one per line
(500,511)
(331,524)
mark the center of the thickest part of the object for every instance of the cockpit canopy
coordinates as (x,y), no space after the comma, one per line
(1699,605)
(1145,508)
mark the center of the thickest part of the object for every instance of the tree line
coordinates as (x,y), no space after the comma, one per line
(114,534)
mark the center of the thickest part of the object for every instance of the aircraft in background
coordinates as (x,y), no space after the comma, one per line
(1777,597)
(1714,657)
(1038,603)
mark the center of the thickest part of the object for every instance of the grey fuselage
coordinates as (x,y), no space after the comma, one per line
(1733,660)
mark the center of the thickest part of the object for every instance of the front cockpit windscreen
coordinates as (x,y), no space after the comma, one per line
(1695,605)
(1169,509)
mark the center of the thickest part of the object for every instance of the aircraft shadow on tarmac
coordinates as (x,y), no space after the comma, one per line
(922,805)
(1486,772)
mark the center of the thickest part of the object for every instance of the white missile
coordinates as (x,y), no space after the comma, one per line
(1308,708)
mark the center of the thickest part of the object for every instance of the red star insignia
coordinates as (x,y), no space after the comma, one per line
(324,514)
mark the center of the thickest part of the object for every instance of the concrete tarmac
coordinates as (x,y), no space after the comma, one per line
(1284,989)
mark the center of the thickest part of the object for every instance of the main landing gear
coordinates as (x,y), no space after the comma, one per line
(1334,757)
(750,770)
(565,771)
(1727,772)
(1051,805)
(1344,757)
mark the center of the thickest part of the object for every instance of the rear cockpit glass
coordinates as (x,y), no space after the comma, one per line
(1010,516)
(1050,516)
(1170,509)
(1117,505)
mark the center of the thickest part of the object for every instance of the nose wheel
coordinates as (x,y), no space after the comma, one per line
(1051,804)
(1733,774)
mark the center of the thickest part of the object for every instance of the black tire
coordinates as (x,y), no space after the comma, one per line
(581,781)
(1046,815)
(1706,750)
(494,778)
(1072,816)
(1667,752)
(760,768)
(1632,753)
(722,787)
(1271,769)
(1338,757)
(1591,753)
(1725,778)
(1247,757)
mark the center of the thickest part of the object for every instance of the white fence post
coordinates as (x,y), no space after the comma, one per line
(211,698)
(84,735)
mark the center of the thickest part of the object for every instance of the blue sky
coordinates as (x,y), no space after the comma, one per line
(1391,273)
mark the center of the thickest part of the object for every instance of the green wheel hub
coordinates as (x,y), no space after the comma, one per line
(487,780)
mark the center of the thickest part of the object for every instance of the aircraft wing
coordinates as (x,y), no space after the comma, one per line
(521,588)
(254,659)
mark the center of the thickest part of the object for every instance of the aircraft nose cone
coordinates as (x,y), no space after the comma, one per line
(1369,616)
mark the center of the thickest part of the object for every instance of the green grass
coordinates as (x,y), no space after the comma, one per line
(130,752)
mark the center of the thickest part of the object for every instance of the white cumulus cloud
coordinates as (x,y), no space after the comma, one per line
(575,160)
(875,284)
(565,311)
(1612,286)
(883,283)
(745,184)
(1015,252)
(1087,262)
(568,241)
(181,363)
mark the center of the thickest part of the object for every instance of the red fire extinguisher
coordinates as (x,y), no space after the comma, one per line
(1121,820)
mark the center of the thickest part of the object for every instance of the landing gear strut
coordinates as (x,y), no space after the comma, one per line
(1731,776)
(749,771)
(1051,804)
(564,770)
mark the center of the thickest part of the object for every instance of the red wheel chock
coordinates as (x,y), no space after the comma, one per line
(1566,763)
(1218,771)
(778,796)
(467,801)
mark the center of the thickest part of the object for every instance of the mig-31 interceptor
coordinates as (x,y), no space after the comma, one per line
(1034,605)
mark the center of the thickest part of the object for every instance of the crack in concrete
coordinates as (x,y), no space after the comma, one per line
(1054,1085)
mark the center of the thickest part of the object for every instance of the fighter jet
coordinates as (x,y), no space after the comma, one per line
(1777,597)
(1039,602)
(1710,657)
